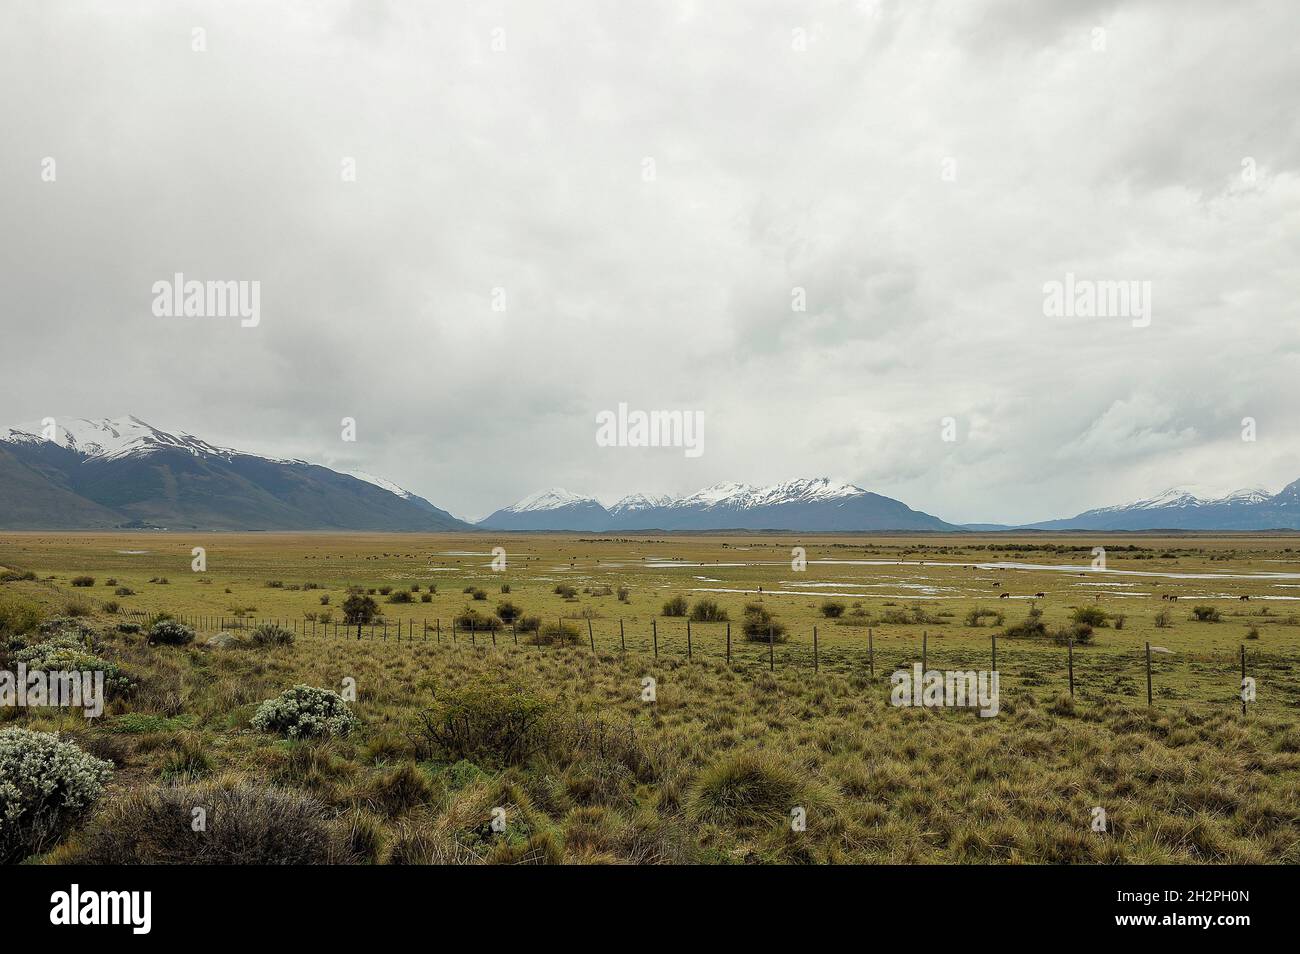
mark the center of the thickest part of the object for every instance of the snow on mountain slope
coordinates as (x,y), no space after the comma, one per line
(634,503)
(382,483)
(110,438)
(550,499)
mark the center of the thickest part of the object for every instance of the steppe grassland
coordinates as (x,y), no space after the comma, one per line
(710,770)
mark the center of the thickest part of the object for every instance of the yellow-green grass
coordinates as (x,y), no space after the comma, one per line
(705,772)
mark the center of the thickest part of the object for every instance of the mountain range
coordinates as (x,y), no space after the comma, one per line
(810,504)
(124,473)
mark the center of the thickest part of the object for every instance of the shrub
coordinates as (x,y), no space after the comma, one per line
(18,615)
(566,591)
(554,634)
(1031,627)
(479,594)
(505,588)
(1253,633)
(475,622)
(528,624)
(305,712)
(77,608)
(359,610)
(1089,615)
(275,584)
(269,634)
(758,625)
(112,606)
(426,597)
(508,612)
(675,606)
(1164,619)
(247,824)
(66,652)
(385,590)
(1206,614)
(977,616)
(708,611)
(400,596)
(489,723)
(623,593)
(128,627)
(170,633)
(832,610)
(13,576)
(325,599)
(1080,633)
(83,581)
(46,785)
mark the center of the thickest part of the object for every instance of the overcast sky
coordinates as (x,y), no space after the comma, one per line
(920,169)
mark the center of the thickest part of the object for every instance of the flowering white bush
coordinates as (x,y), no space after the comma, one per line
(305,711)
(45,785)
(66,652)
(171,632)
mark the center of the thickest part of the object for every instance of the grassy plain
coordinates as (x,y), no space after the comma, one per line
(710,771)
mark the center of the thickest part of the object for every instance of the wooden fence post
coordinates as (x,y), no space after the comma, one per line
(688,639)
(728,644)
(994,638)
(1070,663)
(622,637)
(1243,678)
(816,667)
(925,640)
(1148,675)
(871,654)
(590,636)
(771,658)
(654,632)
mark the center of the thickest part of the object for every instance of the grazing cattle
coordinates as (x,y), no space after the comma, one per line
(1243,598)
(1004,596)
(997,584)
(1040,596)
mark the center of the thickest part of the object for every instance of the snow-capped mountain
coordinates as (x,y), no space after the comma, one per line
(1181,508)
(551,509)
(123,472)
(107,438)
(813,504)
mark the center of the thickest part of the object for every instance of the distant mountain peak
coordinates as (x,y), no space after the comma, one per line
(550,499)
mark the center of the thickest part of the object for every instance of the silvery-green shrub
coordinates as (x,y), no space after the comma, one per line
(170,632)
(304,712)
(45,786)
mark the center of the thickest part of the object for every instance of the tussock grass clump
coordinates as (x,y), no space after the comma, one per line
(832,609)
(242,824)
(1206,614)
(471,620)
(749,788)
(269,634)
(82,581)
(46,785)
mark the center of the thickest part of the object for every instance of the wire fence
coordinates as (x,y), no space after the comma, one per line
(1146,672)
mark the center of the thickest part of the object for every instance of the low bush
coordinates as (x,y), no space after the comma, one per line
(675,606)
(46,786)
(708,611)
(170,633)
(1206,614)
(82,581)
(759,625)
(554,634)
(484,722)
(18,615)
(305,712)
(832,610)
